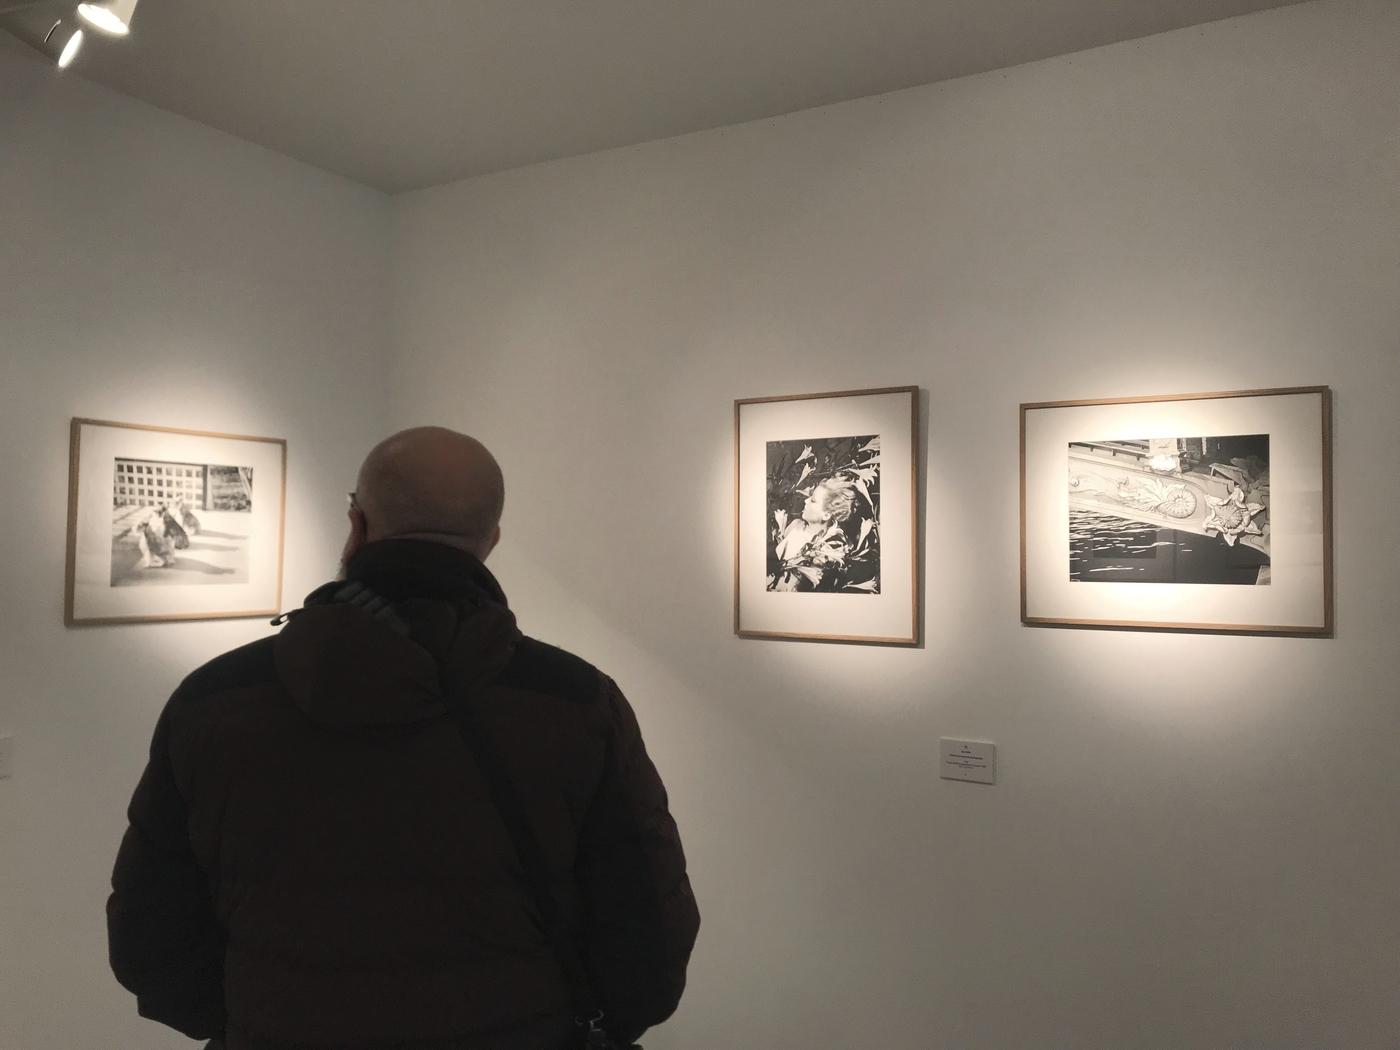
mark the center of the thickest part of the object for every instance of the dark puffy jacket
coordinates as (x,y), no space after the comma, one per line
(315,861)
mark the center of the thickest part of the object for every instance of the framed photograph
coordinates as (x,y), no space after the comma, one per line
(168,524)
(1196,512)
(826,516)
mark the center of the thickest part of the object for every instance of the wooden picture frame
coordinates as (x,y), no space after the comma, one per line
(1182,512)
(166,524)
(826,516)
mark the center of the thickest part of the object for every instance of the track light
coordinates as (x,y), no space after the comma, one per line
(112,16)
(71,47)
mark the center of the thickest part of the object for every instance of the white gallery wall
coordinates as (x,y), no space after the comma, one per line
(1194,841)
(151,271)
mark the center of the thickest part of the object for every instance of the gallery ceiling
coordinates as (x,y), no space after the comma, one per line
(412,93)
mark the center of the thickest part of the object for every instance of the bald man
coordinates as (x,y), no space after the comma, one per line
(429,483)
(400,823)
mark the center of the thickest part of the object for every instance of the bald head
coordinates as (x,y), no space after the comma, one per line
(432,483)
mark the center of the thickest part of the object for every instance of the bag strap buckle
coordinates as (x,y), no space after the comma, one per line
(593,1034)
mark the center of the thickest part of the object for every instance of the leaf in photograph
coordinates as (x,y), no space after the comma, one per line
(865,527)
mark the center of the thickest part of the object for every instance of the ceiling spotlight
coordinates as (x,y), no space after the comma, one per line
(111,16)
(70,49)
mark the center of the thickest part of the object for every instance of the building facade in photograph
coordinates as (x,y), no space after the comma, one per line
(153,483)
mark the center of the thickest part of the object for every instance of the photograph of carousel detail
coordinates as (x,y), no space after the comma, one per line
(1170,510)
(824,515)
(180,523)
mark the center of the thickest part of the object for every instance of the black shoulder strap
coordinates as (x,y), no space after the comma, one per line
(533,863)
(588,1015)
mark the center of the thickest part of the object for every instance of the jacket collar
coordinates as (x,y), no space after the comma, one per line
(343,666)
(403,568)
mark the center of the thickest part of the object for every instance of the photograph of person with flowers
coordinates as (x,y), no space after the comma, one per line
(824,515)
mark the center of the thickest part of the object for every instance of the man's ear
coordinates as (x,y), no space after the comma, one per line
(359,532)
(491,544)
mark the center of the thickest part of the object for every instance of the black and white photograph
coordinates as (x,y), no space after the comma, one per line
(824,515)
(169,524)
(1170,510)
(180,523)
(1179,512)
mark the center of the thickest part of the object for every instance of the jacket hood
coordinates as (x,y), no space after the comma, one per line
(344,666)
